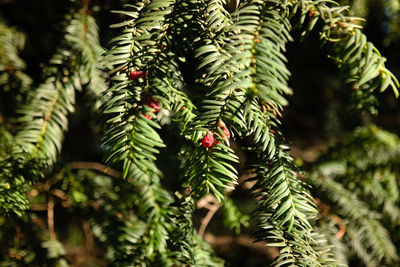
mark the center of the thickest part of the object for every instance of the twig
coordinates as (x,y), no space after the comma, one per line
(32,193)
(206,220)
(85,6)
(38,207)
(88,234)
(243,179)
(50,218)
(341,224)
(211,203)
(226,241)
(38,221)
(94,166)
(59,193)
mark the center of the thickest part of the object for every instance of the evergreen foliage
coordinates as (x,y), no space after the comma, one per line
(43,119)
(14,83)
(214,76)
(358,182)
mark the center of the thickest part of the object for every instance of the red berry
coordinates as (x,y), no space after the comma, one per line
(154,104)
(136,74)
(208,140)
(147,116)
(312,13)
(221,124)
(226,132)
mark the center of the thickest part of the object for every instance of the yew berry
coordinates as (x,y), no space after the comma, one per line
(312,13)
(226,132)
(154,104)
(208,140)
(136,74)
(147,116)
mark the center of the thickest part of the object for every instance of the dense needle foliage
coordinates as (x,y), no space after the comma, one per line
(189,98)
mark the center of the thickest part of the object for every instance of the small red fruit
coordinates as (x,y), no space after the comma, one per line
(147,116)
(226,132)
(154,104)
(136,74)
(208,140)
(312,13)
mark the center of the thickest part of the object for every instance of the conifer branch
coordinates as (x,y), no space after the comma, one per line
(358,60)
(44,120)
(348,180)
(12,66)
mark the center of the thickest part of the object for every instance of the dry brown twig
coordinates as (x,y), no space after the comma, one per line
(94,166)
(50,218)
(88,235)
(211,203)
(226,241)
